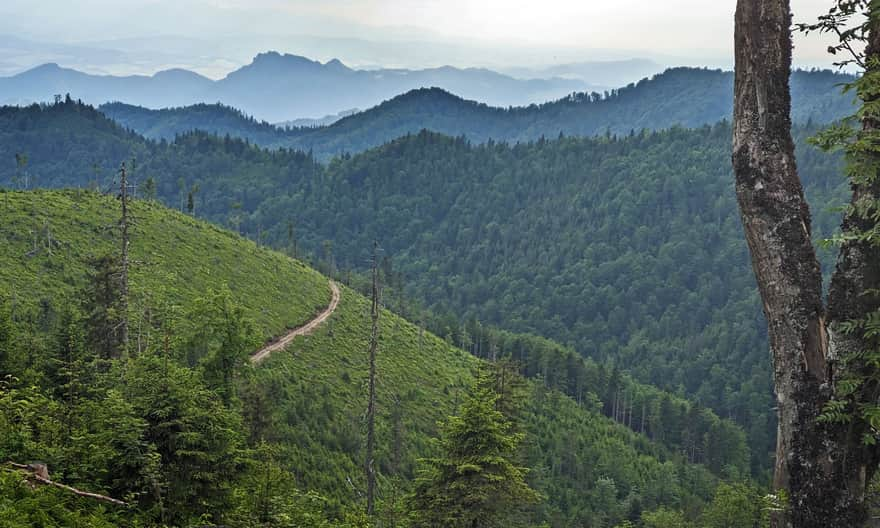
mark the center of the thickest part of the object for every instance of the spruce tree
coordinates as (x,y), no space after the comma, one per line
(475,482)
(102,308)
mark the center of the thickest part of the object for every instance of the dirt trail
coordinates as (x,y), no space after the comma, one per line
(306,329)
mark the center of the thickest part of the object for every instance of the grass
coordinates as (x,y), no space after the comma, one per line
(50,236)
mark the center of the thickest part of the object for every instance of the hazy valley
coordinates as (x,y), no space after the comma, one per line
(309,295)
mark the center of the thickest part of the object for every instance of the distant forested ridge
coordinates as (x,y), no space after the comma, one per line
(217,119)
(686,97)
(625,248)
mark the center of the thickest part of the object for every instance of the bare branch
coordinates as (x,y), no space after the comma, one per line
(32,475)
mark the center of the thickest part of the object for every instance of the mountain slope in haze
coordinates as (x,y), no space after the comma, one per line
(43,83)
(679,97)
(301,409)
(602,73)
(316,122)
(277,87)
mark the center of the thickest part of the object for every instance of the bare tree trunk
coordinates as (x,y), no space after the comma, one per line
(825,488)
(642,421)
(371,403)
(614,406)
(629,420)
(124,221)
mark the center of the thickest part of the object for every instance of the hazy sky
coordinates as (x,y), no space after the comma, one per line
(215,36)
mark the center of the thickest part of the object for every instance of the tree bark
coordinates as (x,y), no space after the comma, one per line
(823,467)
(776,220)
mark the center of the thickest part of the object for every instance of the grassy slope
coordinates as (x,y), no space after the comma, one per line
(311,397)
(173,253)
(321,412)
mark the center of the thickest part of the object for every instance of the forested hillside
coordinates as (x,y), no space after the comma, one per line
(74,145)
(626,249)
(686,97)
(200,436)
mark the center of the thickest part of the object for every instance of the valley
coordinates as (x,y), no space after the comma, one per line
(505,293)
(301,404)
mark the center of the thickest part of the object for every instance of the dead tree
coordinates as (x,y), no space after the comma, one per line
(291,239)
(38,473)
(369,465)
(124,222)
(823,466)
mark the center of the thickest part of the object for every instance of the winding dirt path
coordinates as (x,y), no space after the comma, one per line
(306,329)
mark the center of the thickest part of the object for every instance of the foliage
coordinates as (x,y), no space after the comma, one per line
(103,308)
(23,507)
(851,36)
(664,518)
(222,337)
(475,481)
(858,371)
(626,250)
(175,261)
(736,506)
(218,119)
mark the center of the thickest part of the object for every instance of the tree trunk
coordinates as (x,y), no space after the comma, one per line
(124,225)
(776,221)
(821,466)
(856,274)
(369,465)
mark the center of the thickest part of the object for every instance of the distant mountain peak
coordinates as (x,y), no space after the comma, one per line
(267,55)
(273,58)
(337,65)
(49,67)
(178,73)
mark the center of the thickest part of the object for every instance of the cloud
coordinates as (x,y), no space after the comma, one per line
(498,31)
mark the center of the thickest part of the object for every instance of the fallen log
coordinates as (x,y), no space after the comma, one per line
(40,473)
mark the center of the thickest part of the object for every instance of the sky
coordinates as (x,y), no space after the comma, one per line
(217,36)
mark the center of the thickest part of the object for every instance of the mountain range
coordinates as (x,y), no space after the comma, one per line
(604,73)
(276,87)
(686,97)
